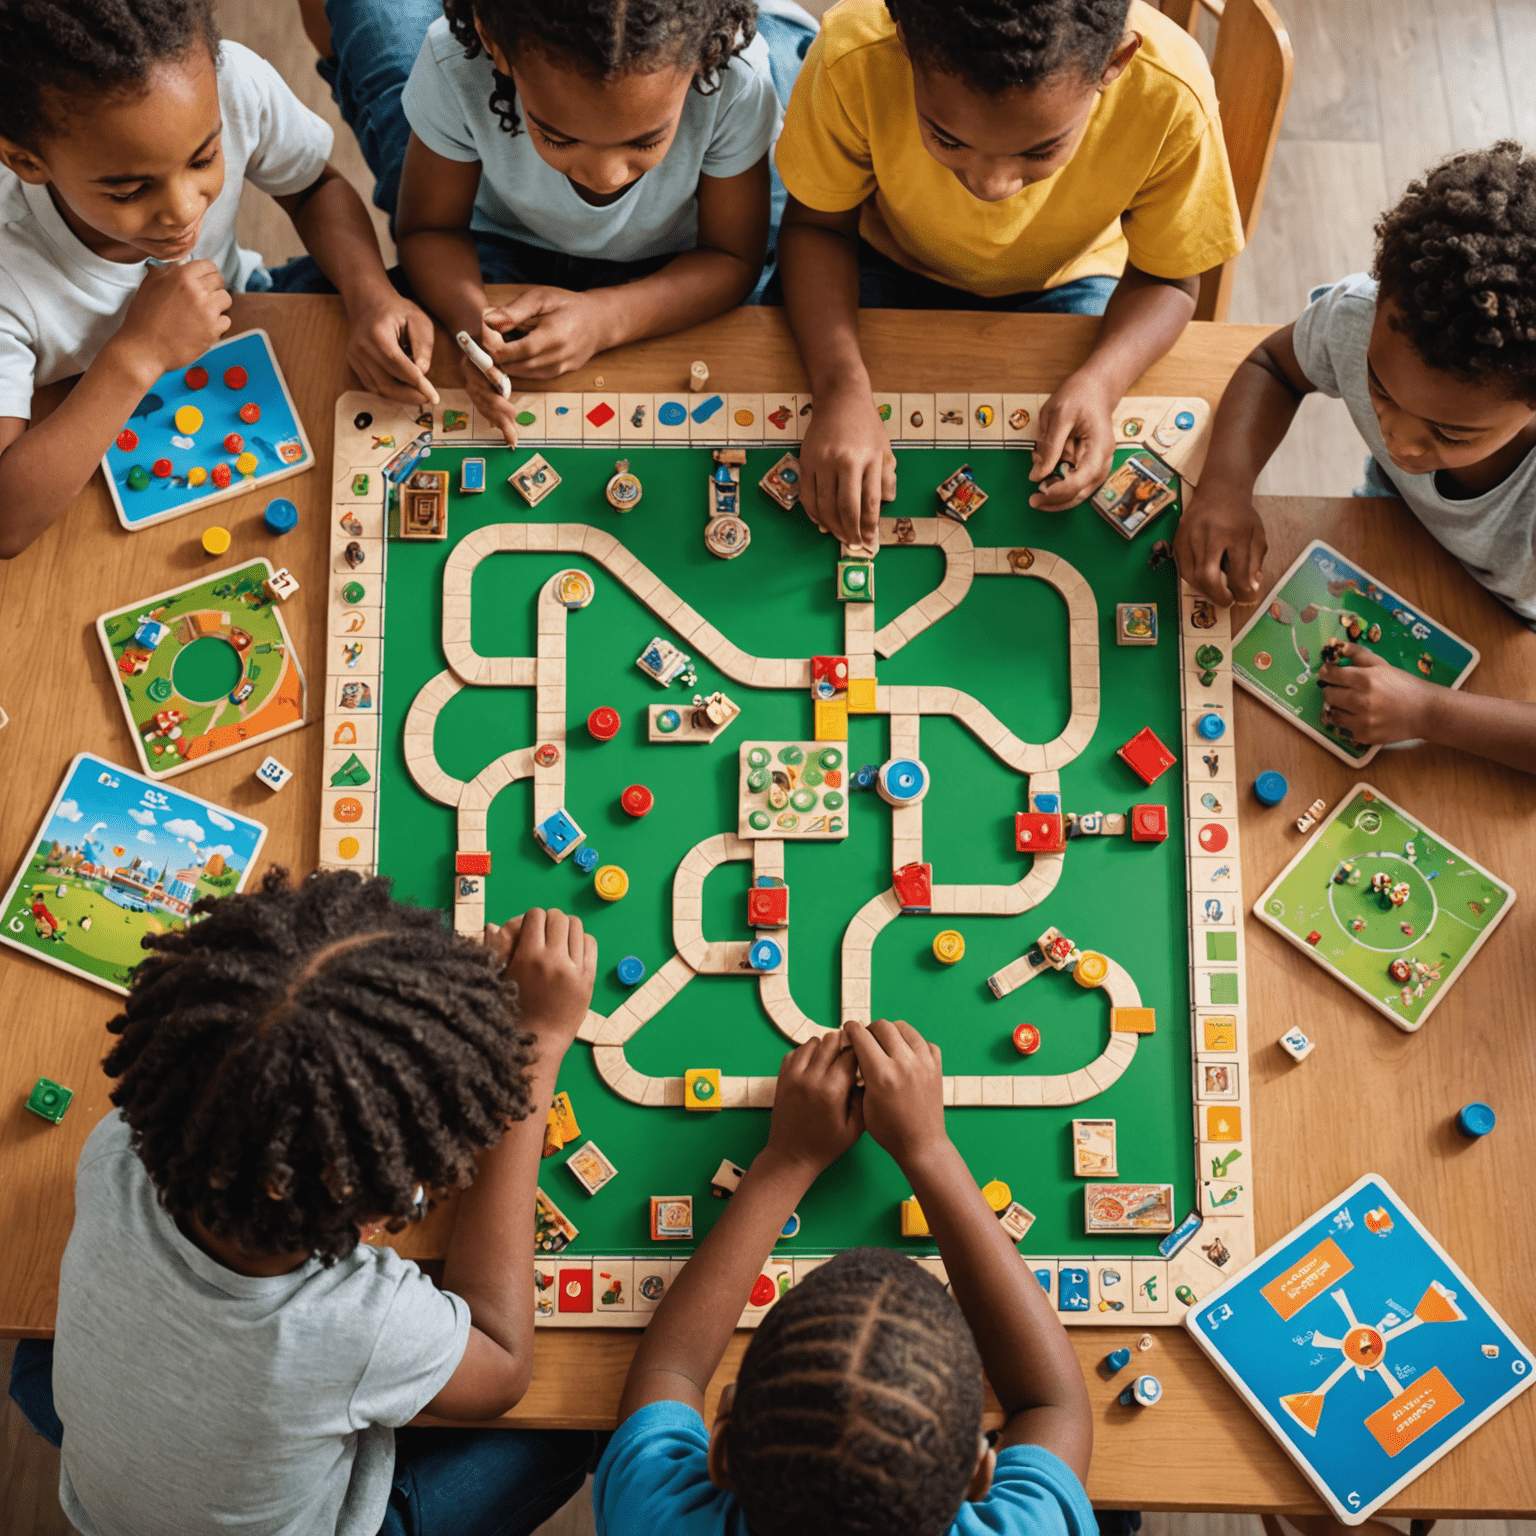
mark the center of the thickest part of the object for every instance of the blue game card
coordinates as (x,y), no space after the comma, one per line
(1366,1352)
(203,434)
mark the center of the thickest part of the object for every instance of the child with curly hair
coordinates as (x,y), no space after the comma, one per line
(297,1072)
(1434,353)
(858,1407)
(1055,156)
(127,133)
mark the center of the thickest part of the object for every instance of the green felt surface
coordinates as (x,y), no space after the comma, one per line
(1006,645)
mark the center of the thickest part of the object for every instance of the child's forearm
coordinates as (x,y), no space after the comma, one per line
(1144,317)
(820,272)
(694,287)
(334,225)
(444,268)
(686,1338)
(1025,1350)
(1256,411)
(1501,729)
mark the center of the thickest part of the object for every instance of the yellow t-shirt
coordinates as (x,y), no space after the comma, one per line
(1149,179)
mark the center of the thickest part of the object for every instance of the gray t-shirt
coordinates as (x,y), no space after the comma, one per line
(197,1400)
(1493,535)
(448,103)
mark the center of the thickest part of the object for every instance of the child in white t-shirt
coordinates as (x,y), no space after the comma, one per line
(126,132)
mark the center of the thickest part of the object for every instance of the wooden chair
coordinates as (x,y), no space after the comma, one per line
(1252,64)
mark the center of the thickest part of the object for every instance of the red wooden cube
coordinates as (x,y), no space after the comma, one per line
(1146,756)
(914,887)
(1039,831)
(1149,823)
(768,906)
(471,863)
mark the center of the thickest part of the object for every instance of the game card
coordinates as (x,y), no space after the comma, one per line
(1138,489)
(1093,1149)
(553,1230)
(1362,1347)
(591,1168)
(1325,597)
(1128,1208)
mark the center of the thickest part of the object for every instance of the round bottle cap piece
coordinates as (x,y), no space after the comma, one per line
(948,946)
(637,800)
(234,443)
(765,955)
(623,491)
(246,463)
(250,413)
(196,378)
(1270,788)
(667,721)
(586,859)
(726,537)
(603,723)
(188,419)
(610,882)
(221,475)
(631,970)
(997,1195)
(161,469)
(235,378)
(216,540)
(196,475)
(902,781)
(138,478)
(1146,1390)
(281,515)
(546,754)
(354,592)
(1091,970)
(1211,727)
(127,440)
(1475,1119)
(1026,1039)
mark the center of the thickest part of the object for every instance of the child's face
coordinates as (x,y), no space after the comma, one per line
(997,145)
(134,173)
(602,135)
(1430,419)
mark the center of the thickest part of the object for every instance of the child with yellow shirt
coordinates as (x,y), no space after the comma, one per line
(1057,156)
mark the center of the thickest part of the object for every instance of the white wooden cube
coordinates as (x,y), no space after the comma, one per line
(273,774)
(281,585)
(1296,1045)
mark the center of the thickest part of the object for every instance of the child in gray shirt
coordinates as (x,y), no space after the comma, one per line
(1434,353)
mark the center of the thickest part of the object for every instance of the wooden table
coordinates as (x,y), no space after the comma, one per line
(1370,1098)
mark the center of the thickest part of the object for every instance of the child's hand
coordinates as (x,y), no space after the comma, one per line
(487,401)
(847,468)
(553,960)
(177,314)
(903,1087)
(389,345)
(563,329)
(816,1114)
(1220,545)
(1076,438)
(1376,701)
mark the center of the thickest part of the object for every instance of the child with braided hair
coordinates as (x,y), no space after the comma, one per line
(1434,353)
(296,1071)
(858,1407)
(127,133)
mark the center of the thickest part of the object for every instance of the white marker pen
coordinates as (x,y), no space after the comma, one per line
(482,360)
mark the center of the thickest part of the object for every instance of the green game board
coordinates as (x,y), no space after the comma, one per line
(1451,908)
(1007,645)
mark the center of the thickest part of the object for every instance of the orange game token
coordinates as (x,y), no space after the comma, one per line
(603,723)
(637,800)
(1026,1039)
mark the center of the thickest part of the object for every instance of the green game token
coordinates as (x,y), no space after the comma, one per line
(832,800)
(803,799)
(159,689)
(667,721)
(758,757)
(830,757)
(359,485)
(138,478)
(49,1099)
(703,1088)
(525,418)
(757,780)
(353,592)
(791,755)
(811,776)
(351,772)
(758,821)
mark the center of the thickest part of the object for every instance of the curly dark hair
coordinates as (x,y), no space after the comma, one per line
(304,1057)
(607,38)
(996,45)
(858,1405)
(54,50)
(1458,255)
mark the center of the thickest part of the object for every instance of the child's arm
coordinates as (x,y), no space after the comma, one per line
(490,1256)
(1142,321)
(1028,1357)
(816,1118)
(1220,543)
(846,465)
(176,315)
(1381,703)
(389,341)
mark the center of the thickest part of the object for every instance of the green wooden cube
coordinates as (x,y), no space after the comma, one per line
(49,1099)
(856,581)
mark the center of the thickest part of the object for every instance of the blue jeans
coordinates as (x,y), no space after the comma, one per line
(886,284)
(448,1482)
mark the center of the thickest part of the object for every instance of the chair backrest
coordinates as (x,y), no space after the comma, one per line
(1252,64)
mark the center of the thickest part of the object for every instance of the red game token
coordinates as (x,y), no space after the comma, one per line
(1212,837)
(220,475)
(1026,1039)
(161,469)
(235,378)
(250,412)
(234,443)
(197,378)
(546,755)
(127,440)
(637,800)
(604,723)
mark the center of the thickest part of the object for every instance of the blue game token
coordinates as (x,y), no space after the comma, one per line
(764,955)
(1211,727)
(1048,804)
(863,777)
(281,515)
(631,970)
(1117,1359)
(1184,420)
(1143,1392)
(1475,1119)
(1270,788)
(903,781)
(586,858)
(791,1226)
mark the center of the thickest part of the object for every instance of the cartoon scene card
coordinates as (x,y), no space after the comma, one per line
(116,859)
(1325,597)
(1362,1347)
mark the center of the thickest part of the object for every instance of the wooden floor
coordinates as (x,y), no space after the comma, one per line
(1383,89)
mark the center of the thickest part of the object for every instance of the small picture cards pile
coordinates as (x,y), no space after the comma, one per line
(591,1168)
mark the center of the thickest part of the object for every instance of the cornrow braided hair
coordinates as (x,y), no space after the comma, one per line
(53,50)
(304,1057)
(607,38)
(1458,254)
(997,45)
(858,1405)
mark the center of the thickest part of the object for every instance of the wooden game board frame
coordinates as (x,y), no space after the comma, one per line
(1174,428)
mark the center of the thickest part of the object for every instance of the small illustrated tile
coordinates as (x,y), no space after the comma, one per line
(613,1285)
(1225,1197)
(1093,1149)
(1217,1082)
(1044,1270)
(600,418)
(590,1168)
(637,418)
(744,419)
(918,419)
(562,418)
(952,418)
(652,1277)
(708,420)
(793,790)
(780,423)
(672,420)
(986,418)
(529,414)
(1149,1285)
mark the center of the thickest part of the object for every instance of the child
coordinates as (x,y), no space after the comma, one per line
(995,155)
(296,1069)
(126,130)
(858,1406)
(1435,355)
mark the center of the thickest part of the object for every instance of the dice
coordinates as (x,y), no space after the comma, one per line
(273,774)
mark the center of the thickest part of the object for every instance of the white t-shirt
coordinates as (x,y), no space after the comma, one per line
(60,303)
(447,101)
(195,1399)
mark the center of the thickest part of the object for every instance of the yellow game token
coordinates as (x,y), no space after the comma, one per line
(1091,970)
(948,946)
(188,419)
(246,463)
(196,475)
(216,540)
(349,847)
(611,882)
(997,1195)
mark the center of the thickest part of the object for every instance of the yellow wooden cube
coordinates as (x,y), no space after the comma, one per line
(913,1222)
(861,695)
(831,721)
(1133,1021)
(701,1088)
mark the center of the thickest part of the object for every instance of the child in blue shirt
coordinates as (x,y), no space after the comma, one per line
(858,1406)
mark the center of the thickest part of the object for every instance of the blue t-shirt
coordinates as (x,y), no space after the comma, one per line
(654,1478)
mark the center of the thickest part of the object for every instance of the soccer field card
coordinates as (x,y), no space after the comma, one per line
(1391,909)
(118,858)
(1323,597)
(203,434)
(1366,1352)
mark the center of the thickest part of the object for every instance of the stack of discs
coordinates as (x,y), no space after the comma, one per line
(948,947)
(726,537)
(573,588)
(902,781)
(610,882)
(603,723)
